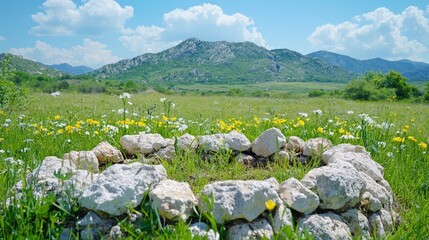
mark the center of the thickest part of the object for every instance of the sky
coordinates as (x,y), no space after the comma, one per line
(98,32)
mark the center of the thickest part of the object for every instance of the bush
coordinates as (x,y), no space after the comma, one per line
(316,93)
(11,96)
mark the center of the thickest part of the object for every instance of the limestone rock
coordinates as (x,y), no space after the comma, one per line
(273,182)
(376,190)
(282,217)
(142,143)
(235,199)
(269,142)
(120,186)
(298,197)
(187,141)
(257,229)
(325,226)
(374,221)
(316,146)
(336,188)
(295,144)
(212,143)
(357,222)
(106,153)
(51,167)
(201,229)
(370,203)
(167,153)
(173,200)
(237,141)
(84,160)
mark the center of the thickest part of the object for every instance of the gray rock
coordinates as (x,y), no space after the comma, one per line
(91,219)
(336,188)
(167,153)
(357,222)
(106,153)
(360,160)
(142,143)
(68,234)
(237,141)
(295,144)
(269,142)
(257,229)
(273,182)
(212,143)
(120,186)
(235,199)
(201,229)
(376,190)
(387,220)
(316,146)
(173,200)
(245,159)
(376,225)
(325,226)
(298,197)
(370,203)
(187,141)
(282,218)
(51,167)
(84,160)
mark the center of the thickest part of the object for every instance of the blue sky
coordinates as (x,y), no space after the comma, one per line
(98,32)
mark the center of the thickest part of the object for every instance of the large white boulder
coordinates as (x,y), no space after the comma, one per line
(212,143)
(269,142)
(235,199)
(83,160)
(257,229)
(142,143)
(187,141)
(106,153)
(325,226)
(297,196)
(173,200)
(336,187)
(316,146)
(237,141)
(121,186)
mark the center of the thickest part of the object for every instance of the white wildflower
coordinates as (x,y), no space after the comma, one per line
(390,154)
(55,94)
(182,127)
(1,151)
(303,114)
(381,144)
(162,99)
(350,112)
(318,112)
(125,95)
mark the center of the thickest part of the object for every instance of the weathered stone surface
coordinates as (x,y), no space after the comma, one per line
(295,144)
(106,153)
(297,196)
(167,153)
(376,190)
(316,146)
(50,167)
(360,160)
(201,229)
(74,186)
(90,219)
(120,186)
(245,159)
(282,217)
(212,143)
(187,141)
(386,219)
(357,222)
(325,226)
(370,203)
(167,142)
(273,182)
(257,229)
(142,143)
(269,142)
(337,188)
(173,200)
(235,199)
(374,221)
(237,141)
(84,160)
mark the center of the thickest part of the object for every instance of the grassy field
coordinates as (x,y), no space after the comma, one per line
(395,133)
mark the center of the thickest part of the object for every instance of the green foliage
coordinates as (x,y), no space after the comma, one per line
(426,95)
(316,93)
(11,96)
(376,86)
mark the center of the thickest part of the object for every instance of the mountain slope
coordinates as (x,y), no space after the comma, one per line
(19,63)
(414,71)
(66,68)
(195,61)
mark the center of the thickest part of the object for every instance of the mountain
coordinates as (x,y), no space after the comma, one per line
(19,63)
(78,70)
(196,61)
(414,71)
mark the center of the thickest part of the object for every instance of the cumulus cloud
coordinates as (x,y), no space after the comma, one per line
(93,17)
(207,22)
(378,33)
(2,38)
(90,53)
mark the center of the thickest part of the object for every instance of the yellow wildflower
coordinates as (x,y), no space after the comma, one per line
(405,128)
(96,132)
(412,139)
(270,205)
(60,131)
(399,139)
(173,119)
(341,131)
(320,130)
(423,145)
(165,118)
(57,117)
(300,122)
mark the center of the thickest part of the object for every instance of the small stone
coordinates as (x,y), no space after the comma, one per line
(298,197)
(84,160)
(316,146)
(295,144)
(237,141)
(187,141)
(282,218)
(201,229)
(212,143)
(257,229)
(142,143)
(106,153)
(370,203)
(325,226)
(269,142)
(357,222)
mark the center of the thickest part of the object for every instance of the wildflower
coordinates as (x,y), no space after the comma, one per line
(57,117)
(55,94)
(423,145)
(320,130)
(318,112)
(173,105)
(405,128)
(350,112)
(182,127)
(270,205)
(399,139)
(125,95)
(303,114)
(1,151)
(381,144)
(300,122)
(412,139)
(162,99)
(341,131)
(165,118)
(390,154)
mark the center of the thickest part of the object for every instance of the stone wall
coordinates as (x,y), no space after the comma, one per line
(345,197)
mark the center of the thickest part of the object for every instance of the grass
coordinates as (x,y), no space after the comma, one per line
(394,132)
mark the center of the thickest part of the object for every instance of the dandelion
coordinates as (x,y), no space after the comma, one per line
(300,122)
(270,205)
(320,130)
(399,139)
(412,139)
(125,95)
(57,117)
(341,131)
(423,145)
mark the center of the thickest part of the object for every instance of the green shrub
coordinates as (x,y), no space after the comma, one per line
(316,93)
(11,95)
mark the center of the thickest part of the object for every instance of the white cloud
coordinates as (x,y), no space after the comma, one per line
(206,22)
(380,33)
(93,17)
(2,38)
(91,53)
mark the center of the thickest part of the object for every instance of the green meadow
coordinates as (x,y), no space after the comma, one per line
(396,134)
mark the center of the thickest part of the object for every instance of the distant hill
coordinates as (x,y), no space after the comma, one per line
(78,70)
(19,63)
(195,61)
(414,71)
